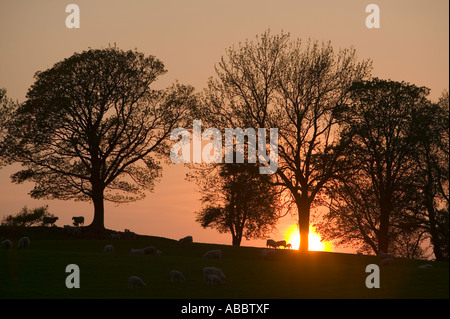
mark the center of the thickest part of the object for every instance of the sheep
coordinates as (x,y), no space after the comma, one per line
(208,271)
(72,230)
(24,242)
(386,262)
(150,250)
(426,266)
(281,243)
(77,220)
(213,254)
(108,249)
(214,280)
(136,251)
(134,282)
(114,235)
(176,276)
(49,220)
(6,244)
(185,240)
(129,234)
(288,246)
(271,243)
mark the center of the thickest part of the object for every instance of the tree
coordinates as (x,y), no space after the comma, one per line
(237,200)
(27,217)
(373,204)
(276,83)
(93,129)
(7,108)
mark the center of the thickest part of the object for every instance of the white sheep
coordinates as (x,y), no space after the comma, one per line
(6,244)
(109,249)
(24,242)
(207,271)
(176,276)
(426,266)
(214,280)
(213,254)
(150,250)
(136,251)
(134,282)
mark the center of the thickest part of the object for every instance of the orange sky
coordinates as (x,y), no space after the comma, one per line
(412,45)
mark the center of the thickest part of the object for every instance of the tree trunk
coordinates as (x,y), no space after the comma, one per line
(237,241)
(98,223)
(303,208)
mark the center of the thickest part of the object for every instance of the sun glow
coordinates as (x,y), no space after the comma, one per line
(315,243)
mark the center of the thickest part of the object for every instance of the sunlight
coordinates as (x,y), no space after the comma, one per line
(315,243)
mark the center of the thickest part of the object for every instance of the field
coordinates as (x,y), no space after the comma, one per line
(39,272)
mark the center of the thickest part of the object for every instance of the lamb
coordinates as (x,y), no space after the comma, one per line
(136,251)
(49,220)
(208,271)
(6,244)
(24,242)
(176,276)
(109,249)
(214,280)
(185,240)
(134,282)
(78,220)
(213,254)
(129,234)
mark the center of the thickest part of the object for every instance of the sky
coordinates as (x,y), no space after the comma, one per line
(189,37)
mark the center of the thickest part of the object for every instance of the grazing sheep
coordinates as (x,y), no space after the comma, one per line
(185,240)
(78,220)
(213,254)
(114,235)
(75,231)
(24,242)
(109,249)
(136,251)
(49,220)
(426,266)
(150,250)
(208,271)
(271,243)
(6,244)
(214,280)
(288,246)
(176,276)
(281,243)
(134,282)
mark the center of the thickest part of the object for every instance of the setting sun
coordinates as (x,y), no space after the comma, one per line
(315,243)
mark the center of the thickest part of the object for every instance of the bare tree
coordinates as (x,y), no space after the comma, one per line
(93,129)
(276,83)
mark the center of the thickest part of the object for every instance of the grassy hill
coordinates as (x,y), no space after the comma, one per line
(39,271)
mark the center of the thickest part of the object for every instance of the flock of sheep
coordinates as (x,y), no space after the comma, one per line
(23,242)
(211,275)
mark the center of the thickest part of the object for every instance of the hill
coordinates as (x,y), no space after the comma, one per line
(39,271)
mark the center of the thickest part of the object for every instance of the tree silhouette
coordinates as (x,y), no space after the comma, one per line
(93,129)
(277,83)
(373,204)
(237,200)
